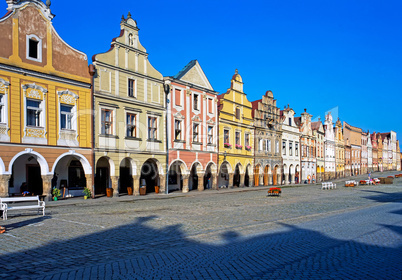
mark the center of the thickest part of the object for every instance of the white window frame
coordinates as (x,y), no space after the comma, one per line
(180,128)
(268,145)
(4,85)
(39,51)
(134,89)
(210,134)
(182,90)
(135,124)
(197,130)
(68,116)
(113,110)
(198,102)
(240,142)
(156,126)
(210,99)
(284,147)
(228,130)
(290,148)
(297,149)
(277,149)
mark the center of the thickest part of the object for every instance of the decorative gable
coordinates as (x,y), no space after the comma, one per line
(193,73)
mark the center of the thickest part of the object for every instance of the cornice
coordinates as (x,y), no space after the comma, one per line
(99,96)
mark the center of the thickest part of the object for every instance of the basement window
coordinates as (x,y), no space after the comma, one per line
(34,48)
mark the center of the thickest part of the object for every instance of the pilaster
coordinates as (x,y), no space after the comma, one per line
(4,179)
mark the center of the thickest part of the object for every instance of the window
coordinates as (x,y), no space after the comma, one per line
(131,125)
(226,136)
(237,137)
(268,148)
(33,113)
(177,130)
(195,101)
(107,121)
(290,149)
(296,149)
(284,147)
(66,117)
(210,106)
(34,48)
(195,132)
(131,89)
(290,122)
(177,97)
(152,130)
(277,147)
(247,139)
(237,113)
(1,108)
(210,134)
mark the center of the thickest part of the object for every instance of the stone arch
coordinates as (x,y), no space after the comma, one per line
(150,176)
(41,160)
(84,162)
(225,172)
(247,174)
(177,172)
(210,175)
(198,166)
(291,174)
(267,172)
(194,181)
(257,174)
(237,174)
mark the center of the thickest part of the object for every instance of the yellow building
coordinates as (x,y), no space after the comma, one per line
(45,106)
(236,137)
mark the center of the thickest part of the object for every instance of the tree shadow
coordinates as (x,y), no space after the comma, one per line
(140,251)
(384,197)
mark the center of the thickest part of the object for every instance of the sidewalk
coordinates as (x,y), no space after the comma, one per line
(152,196)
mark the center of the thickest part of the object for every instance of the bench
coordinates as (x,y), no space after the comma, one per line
(21,203)
(352,183)
(328,185)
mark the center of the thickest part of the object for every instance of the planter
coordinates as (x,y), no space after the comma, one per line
(156,189)
(85,197)
(130,190)
(55,198)
(109,192)
(143,191)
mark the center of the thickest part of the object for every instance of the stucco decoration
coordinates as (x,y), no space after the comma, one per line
(45,9)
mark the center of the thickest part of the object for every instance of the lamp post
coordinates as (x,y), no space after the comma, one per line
(166,88)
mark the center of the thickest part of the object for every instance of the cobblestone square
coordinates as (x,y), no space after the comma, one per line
(306,233)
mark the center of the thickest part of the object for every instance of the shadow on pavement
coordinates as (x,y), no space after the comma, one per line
(139,251)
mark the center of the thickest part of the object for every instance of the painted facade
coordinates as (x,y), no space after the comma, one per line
(308,150)
(348,158)
(380,152)
(364,155)
(339,150)
(369,153)
(267,133)
(193,126)
(45,105)
(373,140)
(352,136)
(319,137)
(236,137)
(329,150)
(129,112)
(291,134)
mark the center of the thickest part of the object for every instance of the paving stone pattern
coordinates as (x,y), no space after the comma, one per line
(307,233)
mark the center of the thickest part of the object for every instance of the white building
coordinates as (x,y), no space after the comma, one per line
(329,150)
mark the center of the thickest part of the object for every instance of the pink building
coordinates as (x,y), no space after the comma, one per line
(193,127)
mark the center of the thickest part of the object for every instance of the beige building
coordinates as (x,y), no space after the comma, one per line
(339,150)
(352,136)
(129,104)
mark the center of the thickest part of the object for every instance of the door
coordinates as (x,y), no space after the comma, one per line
(34,180)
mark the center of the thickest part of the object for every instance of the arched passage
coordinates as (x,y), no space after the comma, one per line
(126,175)
(149,175)
(247,176)
(210,171)
(102,175)
(176,172)
(275,175)
(69,175)
(297,174)
(257,175)
(223,177)
(266,175)
(290,177)
(236,175)
(193,183)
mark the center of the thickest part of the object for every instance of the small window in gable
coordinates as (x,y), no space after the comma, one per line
(237,113)
(195,102)
(131,88)
(34,48)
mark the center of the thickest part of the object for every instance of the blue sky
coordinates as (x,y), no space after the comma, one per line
(312,54)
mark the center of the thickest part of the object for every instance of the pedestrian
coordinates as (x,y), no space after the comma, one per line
(209,183)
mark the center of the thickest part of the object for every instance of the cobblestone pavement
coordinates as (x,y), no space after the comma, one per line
(307,233)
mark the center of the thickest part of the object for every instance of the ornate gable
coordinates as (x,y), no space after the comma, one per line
(193,73)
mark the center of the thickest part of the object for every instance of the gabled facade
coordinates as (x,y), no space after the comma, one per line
(329,150)
(348,158)
(373,140)
(380,153)
(307,142)
(291,134)
(364,156)
(319,137)
(236,137)
(339,150)
(45,105)
(369,153)
(268,132)
(129,101)
(193,126)
(352,135)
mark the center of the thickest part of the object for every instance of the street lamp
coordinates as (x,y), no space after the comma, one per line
(166,88)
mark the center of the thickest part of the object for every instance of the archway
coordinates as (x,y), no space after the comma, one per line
(193,179)
(126,175)
(275,175)
(284,175)
(69,176)
(102,175)
(297,175)
(176,172)
(247,176)
(149,175)
(223,179)
(27,169)
(266,175)
(208,180)
(257,175)
(236,176)
(290,177)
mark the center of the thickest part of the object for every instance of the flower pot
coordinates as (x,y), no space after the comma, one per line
(143,191)
(109,192)
(85,197)
(130,190)
(55,198)
(156,189)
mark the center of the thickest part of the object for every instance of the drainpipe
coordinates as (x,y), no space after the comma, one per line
(166,88)
(92,73)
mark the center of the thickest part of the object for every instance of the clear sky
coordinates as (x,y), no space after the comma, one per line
(319,55)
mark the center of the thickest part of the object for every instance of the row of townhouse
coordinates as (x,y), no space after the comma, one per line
(120,123)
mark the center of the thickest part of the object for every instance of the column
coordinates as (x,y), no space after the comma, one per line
(47,186)
(88,179)
(200,186)
(185,184)
(214,178)
(162,184)
(286,179)
(115,185)
(270,179)
(293,179)
(4,179)
(241,185)
(136,185)
(230,183)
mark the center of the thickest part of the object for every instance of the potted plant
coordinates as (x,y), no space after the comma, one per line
(248,148)
(109,192)
(156,189)
(238,146)
(56,193)
(227,145)
(87,193)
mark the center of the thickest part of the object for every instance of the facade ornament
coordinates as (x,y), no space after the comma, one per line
(48,3)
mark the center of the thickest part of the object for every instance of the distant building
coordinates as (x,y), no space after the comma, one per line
(352,136)
(329,150)
(268,131)
(339,150)
(319,136)
(364,154)
(373,139)
(369,153)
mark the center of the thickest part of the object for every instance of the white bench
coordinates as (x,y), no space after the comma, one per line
(21,203)
(328,185)
(351,183)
